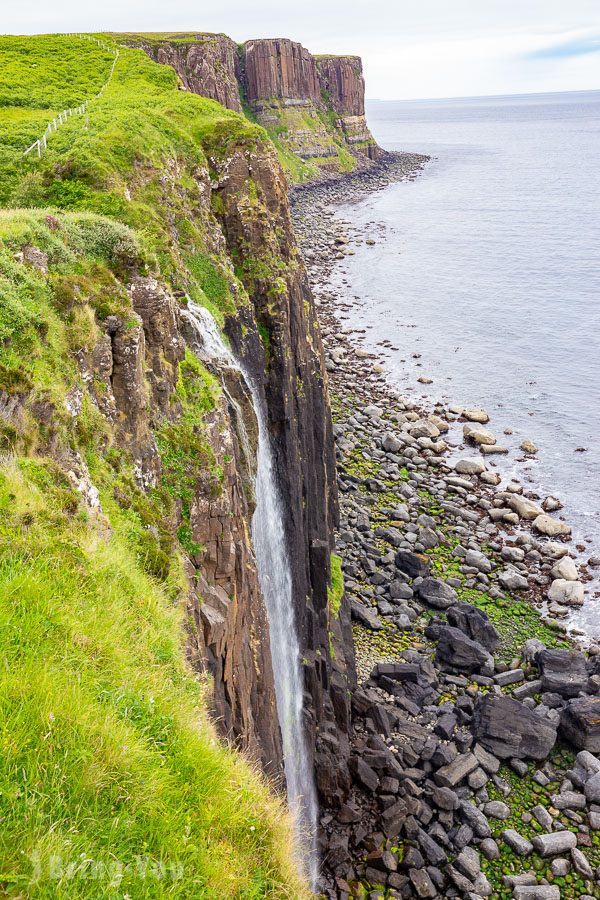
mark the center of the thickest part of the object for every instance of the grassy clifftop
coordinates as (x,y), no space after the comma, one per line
(112,783)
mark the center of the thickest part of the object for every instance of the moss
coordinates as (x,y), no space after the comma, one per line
(335,591)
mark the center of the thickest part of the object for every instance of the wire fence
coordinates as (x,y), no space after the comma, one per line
(41,143)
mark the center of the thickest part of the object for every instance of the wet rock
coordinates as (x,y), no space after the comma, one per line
(476,434)
(436,593)
(476,414)
(563,672)
(551,527)
(525,509)
(508,729)
(568,593)
(528,446)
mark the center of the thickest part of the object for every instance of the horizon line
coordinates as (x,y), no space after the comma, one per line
(482,96)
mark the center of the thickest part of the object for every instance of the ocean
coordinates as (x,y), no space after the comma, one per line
(485,275)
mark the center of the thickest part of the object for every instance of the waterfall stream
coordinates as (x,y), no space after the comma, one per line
(274,573)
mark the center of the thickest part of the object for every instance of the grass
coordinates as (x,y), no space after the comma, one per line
(335,591)
(108,764)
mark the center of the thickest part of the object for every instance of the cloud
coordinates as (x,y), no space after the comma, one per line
(580,45)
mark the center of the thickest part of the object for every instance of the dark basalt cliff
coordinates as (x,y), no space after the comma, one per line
(312,105)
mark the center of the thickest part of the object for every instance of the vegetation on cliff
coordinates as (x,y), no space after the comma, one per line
(112,782)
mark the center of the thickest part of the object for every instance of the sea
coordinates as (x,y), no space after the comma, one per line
(485,277)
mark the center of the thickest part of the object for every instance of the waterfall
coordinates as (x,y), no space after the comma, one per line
(274,573)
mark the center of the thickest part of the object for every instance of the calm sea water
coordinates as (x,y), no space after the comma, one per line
(490,270)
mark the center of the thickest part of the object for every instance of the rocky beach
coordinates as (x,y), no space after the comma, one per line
(475,714)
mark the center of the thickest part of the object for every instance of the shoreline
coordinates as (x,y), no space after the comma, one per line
(462,546)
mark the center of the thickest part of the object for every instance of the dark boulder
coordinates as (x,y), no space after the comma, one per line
(412,564)
(580,723)
(436,593)
(457,651)
(563,672)
(510,730)
(475,624)
(366,615)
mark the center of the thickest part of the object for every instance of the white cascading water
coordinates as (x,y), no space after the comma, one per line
(274,573)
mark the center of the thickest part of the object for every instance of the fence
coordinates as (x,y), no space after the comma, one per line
(41,143)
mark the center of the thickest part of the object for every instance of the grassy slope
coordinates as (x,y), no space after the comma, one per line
(111,781)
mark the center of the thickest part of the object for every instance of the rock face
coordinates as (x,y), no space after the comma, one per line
(313,105)
(208,64)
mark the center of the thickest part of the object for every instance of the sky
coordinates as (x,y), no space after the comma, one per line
(435,48)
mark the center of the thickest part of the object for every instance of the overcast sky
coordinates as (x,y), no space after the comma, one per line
(431,48)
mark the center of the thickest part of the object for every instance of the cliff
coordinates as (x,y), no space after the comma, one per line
(130,457)
(311,106)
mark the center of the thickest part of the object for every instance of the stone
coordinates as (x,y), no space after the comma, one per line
(581,864)
(554,843)
(536,892)
(366,615)
(479,435)
(542,816)
(422,883)
(551,527)
(508,729)
(525,509)
(424,428)
(457,651)
(591,789)
(568,800)
(453,773)
(486,760)
(469,467)
(363,774)
(563,672)
(520,845)
(476,414)
(475,819)
(490,848)
(551,504)
(568,593)
(528,446)
(469,863)
(565,569)
(512,580)
(496,809)
(436,593)
(391,444)
(475,559)
(474,623)
(412,564)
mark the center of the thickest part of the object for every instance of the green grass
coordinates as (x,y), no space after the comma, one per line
(335,591)
(108,763)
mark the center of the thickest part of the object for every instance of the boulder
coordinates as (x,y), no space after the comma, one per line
(412,564)
(479,435)
(512,580)
(475,559)
(551,527)
(436,593)
(568,593)
(565,569)
(510,730)
(390,443)
(554,843)
(525,509)
(476,414)
(475,624)
(469,467)
(580,723)
(366,615)
(457,651)
(563,672)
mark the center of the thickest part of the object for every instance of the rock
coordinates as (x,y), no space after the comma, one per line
(493,478)
(436,593)
(457,651)
(565,569)
(580,864)
(486,760)
(36,258)
(363,774)
(391,444)
(551,527)
(551,504)
(424,428)
(568,593)
(412,564)
(475,819)
(512,580)
(542,816)
(580,723)
(476,414)
(469,466)
(528,446)
(508,729)
(563,672)
(495,809)
(554,843)
(536,892)
(568,800)
(490,848)
(478,560)
(520,845)
(525,509)
(531,649)
(474,623)
(468,862)
(366,615)
(422,883)
(398,590)
(592,789)
(453,773)
(479,435)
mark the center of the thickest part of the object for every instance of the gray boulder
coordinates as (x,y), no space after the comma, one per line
(510,730)
(436,593)
(413,564)
(457,651)
(474,623)
(580,723)
(563,672)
